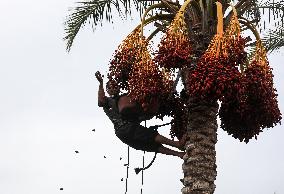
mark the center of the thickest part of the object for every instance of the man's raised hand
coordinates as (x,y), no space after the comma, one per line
(99,77)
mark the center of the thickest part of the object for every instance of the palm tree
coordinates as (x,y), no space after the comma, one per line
(201,18)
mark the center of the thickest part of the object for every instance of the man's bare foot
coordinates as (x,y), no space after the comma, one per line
(181,154)
(182,142)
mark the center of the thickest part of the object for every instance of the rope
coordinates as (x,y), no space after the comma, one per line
(155,127)
(137,170)
(143,163)
(142,176)
(126,186)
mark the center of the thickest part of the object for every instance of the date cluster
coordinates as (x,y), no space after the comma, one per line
(254,105)
(175,47)
(248,99)
(135,72)
(216,73)
(180,120)
(174,106)
(145,79)
(126,55)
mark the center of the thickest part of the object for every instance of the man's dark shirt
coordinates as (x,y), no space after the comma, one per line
(128,130)
(111,110)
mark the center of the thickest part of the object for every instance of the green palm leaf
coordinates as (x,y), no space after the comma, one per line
(95,12)
(274,12)
(274,39)
(268,16)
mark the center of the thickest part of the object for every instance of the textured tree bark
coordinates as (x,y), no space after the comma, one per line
(199,165)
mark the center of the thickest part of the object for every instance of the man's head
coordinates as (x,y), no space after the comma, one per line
(112,88)
(152,105)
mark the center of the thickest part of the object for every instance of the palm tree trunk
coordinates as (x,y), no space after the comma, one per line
(199,165)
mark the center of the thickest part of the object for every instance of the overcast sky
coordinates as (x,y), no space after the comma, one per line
(48,108)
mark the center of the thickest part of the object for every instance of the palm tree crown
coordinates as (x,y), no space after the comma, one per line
(261,13)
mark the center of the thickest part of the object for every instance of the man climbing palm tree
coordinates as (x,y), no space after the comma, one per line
(126,117)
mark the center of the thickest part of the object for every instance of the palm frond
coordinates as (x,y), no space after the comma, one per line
(274,39)
(252,12)
(251,51)
(247,9)
(274,12)
(94,12)
(268,16)
(255,10)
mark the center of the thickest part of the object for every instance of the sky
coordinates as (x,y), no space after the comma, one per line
(49,108)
